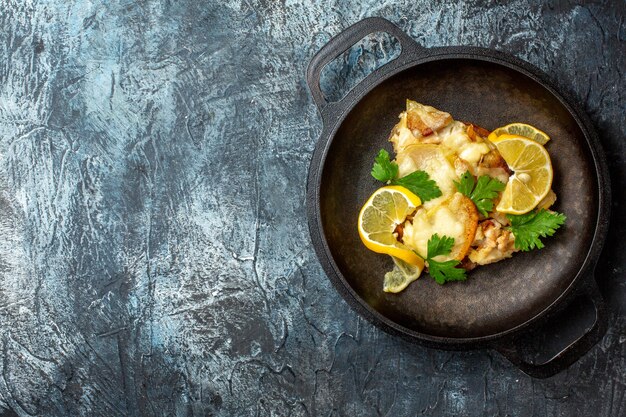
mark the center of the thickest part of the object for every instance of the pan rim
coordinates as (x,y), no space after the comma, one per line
(346,105)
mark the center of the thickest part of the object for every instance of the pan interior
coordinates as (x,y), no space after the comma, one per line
(496,297)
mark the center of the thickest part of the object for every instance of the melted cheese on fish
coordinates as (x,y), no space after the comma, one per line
(446,155)
(433,160)
(455,217)
(433,142)
(455,138)
(402,136)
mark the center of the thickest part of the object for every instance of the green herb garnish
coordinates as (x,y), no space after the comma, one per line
(528,228)
(482,192)
(418,182)
(384,170)
(444,271)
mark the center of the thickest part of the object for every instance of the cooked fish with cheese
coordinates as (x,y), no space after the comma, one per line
(430,140)
(491,243)
(435,160)
(455,217)
(466,203)
(465,147)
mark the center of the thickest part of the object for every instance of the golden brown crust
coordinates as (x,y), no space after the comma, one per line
(470,213)
(494,160)
(425,120)
(424,124)
(473,129)
(465,211)
(414,122)
(467,264)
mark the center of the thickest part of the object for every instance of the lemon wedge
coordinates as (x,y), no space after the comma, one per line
(382,213)
(519,129)
(532,173)
(401,275)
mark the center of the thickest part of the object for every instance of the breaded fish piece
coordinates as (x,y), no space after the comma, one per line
(423,120)
(463,143)
(434,160)
(430,140)
(455,217)
(418,124)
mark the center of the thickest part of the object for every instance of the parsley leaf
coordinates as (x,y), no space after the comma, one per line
(418,182)
(466,185)
(439,245)
(443,271)
(384,170)
(528,228)
(482,192)
(486,190)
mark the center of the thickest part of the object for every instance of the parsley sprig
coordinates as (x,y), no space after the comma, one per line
(482,192)
(528,228)
(443,271)
(418,182)
(384,170)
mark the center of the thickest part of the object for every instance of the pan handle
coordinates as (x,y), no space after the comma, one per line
(568,354)
(344,41)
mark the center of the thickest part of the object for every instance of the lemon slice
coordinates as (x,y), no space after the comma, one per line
(519,129)
(401,275)
(384,211)
(532,174)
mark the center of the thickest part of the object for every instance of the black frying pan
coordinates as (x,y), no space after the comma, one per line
(497,305)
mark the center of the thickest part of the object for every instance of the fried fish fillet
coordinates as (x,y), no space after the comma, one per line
(423,120)
(430,140)
(464,143)
(456,217)
(432,159)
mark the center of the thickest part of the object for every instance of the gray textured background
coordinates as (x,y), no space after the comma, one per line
(154,254)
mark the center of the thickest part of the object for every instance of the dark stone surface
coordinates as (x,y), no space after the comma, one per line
(155,258)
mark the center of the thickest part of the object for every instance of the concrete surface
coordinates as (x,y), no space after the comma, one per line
(154,253)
